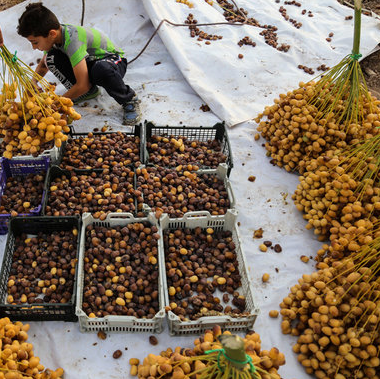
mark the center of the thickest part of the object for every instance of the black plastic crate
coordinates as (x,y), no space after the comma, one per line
(137,132)
(217,132)
(22,167)
(58,172)
(36,311)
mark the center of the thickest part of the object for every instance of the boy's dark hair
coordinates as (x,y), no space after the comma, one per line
(37,21)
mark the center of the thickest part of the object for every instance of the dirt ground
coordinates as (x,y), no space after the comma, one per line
(370,65)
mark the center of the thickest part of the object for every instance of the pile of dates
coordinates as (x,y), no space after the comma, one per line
(121,271)
(43,268)
(177,192)
(198,263)
(173,151)
(96,192)
(102,151)
(22,194)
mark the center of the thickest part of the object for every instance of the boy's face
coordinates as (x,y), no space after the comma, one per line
(43,43)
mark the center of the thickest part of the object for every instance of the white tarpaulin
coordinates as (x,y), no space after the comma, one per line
(236,89)
(167,99)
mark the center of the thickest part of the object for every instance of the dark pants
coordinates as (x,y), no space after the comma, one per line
(107,73)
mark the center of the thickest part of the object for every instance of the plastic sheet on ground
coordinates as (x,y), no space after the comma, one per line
(236,89)
(168,99)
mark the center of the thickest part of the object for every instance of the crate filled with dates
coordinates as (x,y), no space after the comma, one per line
(22,188)
(38,273)
(102,150)
(74,192)
(207,280)
(46,149)
(186,146)
(121,284)
(175,192)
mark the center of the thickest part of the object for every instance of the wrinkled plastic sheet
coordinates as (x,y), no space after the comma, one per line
(236,89)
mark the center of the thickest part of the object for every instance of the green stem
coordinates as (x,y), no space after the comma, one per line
(357,26)
(234,348)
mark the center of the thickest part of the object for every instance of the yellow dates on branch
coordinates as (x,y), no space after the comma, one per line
(35,124)
(17,358)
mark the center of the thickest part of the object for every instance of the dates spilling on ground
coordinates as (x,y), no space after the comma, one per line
(198,263)
(205,108)
(121,271)
(43,268)
(196,32)
(233,14)
(323,67)
(308,70)
(102,151)
(285,15)
(246,41)
(295,3)
(174,192)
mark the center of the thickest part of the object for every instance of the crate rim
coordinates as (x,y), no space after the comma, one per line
(137,129)
(54,153)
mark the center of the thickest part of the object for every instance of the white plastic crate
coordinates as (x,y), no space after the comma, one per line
(112,323)
(205,220)
(220,173)
(54,153)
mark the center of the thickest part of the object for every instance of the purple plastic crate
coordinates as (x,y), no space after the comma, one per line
(21,167)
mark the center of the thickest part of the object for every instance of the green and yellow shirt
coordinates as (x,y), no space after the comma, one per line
(79,43)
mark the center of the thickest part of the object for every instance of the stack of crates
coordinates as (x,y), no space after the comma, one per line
(204,220)
(73,310)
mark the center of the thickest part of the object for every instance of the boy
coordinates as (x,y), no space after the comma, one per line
(81,59)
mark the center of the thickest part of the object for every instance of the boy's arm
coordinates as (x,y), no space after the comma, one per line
(82,84)
(41,69)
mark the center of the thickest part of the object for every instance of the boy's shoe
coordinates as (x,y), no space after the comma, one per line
(91,94)
(131,112)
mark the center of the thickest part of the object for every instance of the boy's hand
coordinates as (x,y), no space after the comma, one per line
(82,84)
(41,70)
(35,84)
(1,39)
